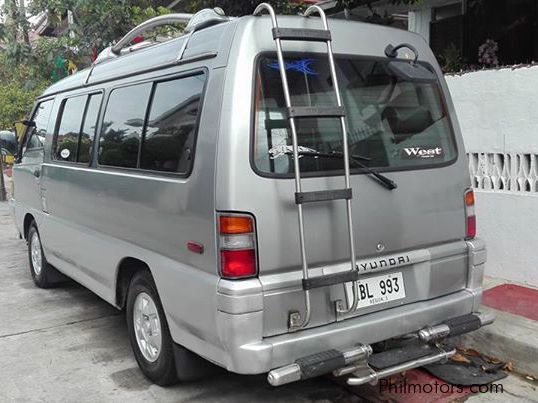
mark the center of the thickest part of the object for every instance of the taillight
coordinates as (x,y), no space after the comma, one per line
(470,214)
(237,245)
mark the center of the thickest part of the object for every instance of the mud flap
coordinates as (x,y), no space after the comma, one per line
(475,372)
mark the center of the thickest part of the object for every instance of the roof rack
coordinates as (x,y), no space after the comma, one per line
(202,19)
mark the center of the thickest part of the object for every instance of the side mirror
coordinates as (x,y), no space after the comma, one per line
(20,128)
(28,123)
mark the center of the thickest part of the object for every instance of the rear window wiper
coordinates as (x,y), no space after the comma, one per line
(308,152)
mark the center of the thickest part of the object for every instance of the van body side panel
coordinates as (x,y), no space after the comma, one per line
(424,213)
(99,216)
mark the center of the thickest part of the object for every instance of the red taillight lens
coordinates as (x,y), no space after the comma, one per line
(470,214)
(238,263)
(471,227)
(237,244)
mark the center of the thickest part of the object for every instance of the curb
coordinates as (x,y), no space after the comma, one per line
(511,338)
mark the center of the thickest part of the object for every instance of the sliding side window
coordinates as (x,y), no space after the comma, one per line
(76,131)
(170,134)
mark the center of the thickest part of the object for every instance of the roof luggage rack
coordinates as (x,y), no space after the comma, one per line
(297,320)
(195,22)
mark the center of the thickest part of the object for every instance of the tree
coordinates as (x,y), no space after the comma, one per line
(243,7)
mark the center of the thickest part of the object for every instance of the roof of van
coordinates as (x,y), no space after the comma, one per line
(208,42)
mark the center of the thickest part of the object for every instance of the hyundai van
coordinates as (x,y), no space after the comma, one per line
(270,194)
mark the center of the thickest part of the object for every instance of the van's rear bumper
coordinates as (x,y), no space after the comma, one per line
(272,352)
(240,323)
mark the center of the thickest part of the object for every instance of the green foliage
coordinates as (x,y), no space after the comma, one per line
(25,71)
(244,7)
(451,59)
(18,88)
(16,103)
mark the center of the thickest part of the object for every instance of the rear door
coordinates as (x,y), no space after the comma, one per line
(409,241)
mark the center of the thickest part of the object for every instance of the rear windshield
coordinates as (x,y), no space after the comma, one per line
(394,123)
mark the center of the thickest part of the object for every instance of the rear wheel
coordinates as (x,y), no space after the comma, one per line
(43,274)
(148,331)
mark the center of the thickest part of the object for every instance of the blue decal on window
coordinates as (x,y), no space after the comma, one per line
(300,66)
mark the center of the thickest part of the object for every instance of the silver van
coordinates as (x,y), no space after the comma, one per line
(271,195)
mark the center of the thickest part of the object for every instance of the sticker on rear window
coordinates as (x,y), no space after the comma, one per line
(422,152)
(300,66)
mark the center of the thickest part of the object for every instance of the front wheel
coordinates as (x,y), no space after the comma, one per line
(43,274)
(148,331)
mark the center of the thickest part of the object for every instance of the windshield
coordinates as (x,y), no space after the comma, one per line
(393,122)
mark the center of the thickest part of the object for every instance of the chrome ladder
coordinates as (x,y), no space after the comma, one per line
(294,112)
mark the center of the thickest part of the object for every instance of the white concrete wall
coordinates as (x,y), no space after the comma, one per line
(498,114)
(419,22)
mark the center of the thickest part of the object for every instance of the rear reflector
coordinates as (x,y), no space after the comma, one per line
(238,263)
(237,244)
(195,247)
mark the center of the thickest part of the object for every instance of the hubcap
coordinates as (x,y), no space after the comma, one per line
(147,327)
(35,252)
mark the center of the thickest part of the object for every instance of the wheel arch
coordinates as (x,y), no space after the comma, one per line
(127,269)
(28,219)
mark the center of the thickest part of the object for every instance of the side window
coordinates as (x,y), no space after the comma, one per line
(123,125)
(76,131)
(171,127)
(66,143)
(89,127)
(35,136)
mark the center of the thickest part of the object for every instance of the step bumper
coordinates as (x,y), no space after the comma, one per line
(247,352)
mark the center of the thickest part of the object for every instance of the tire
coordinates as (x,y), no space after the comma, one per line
(43,274)
(145,321)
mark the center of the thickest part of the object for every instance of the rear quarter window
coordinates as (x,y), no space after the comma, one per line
(123,124)
(152,126)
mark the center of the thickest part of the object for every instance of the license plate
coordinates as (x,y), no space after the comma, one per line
(379,289)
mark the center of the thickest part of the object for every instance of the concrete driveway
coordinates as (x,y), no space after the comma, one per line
(66,344)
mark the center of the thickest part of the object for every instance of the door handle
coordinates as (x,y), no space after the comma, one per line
(37,172)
